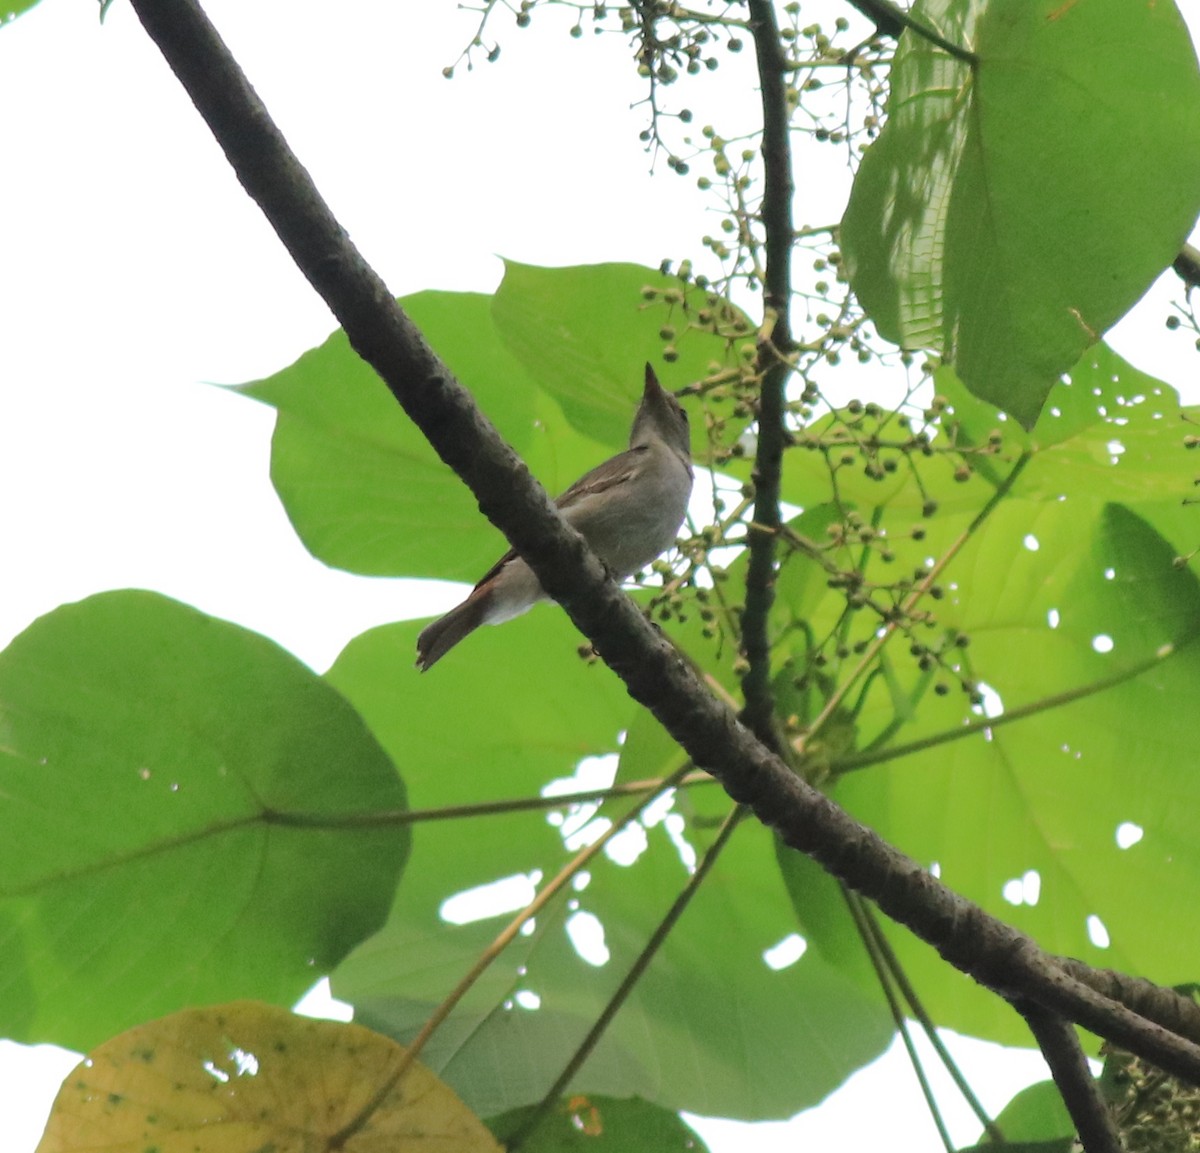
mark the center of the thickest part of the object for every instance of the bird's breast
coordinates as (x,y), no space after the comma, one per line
(631,525)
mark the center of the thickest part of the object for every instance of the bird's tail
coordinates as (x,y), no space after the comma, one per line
(438,638)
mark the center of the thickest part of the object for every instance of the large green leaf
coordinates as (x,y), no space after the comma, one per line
(1114,431)
(177,798)
(710,1027)
(1108,428)
(999,218)
(362,486)
(1032,819)
(1109,432)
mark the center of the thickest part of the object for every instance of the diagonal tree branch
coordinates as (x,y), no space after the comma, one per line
(881,14)
(891,20)
(993,953)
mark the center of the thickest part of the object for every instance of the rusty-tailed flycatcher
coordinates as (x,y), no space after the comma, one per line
(628,509)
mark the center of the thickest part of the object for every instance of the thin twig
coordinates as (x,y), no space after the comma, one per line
(884,974)
(919,1012)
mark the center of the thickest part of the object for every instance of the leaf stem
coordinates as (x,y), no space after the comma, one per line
(485,959)
(888,15)
(640,964)
(913,599)
(886,983)
(388,817)
(891,971)
(985,724)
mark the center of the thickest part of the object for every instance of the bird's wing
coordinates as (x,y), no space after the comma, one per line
(487,576)
(614,471)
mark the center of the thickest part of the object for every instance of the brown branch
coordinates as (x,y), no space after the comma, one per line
(890,19)
(774,370)
(1173,1011)
(881,14)
(993,953)
(1080,1091)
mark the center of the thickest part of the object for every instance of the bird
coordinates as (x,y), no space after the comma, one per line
(629,510)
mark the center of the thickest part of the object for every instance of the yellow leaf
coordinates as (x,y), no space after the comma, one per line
(247,1077)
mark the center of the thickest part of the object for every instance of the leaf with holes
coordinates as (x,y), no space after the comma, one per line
(682,1041)
(249,1077)
(998,219)
(1070,807)
(182,805)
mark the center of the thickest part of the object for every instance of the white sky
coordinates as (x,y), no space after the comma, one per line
(133,268)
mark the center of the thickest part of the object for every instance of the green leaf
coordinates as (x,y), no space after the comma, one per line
(998,219)
(179,799)
(1107,428)
(1035,1114)
(990,810)
(823,918)
(682,1041)
(602,1125)
(1113,430)
(584,333)
(361,485)
(11,10)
